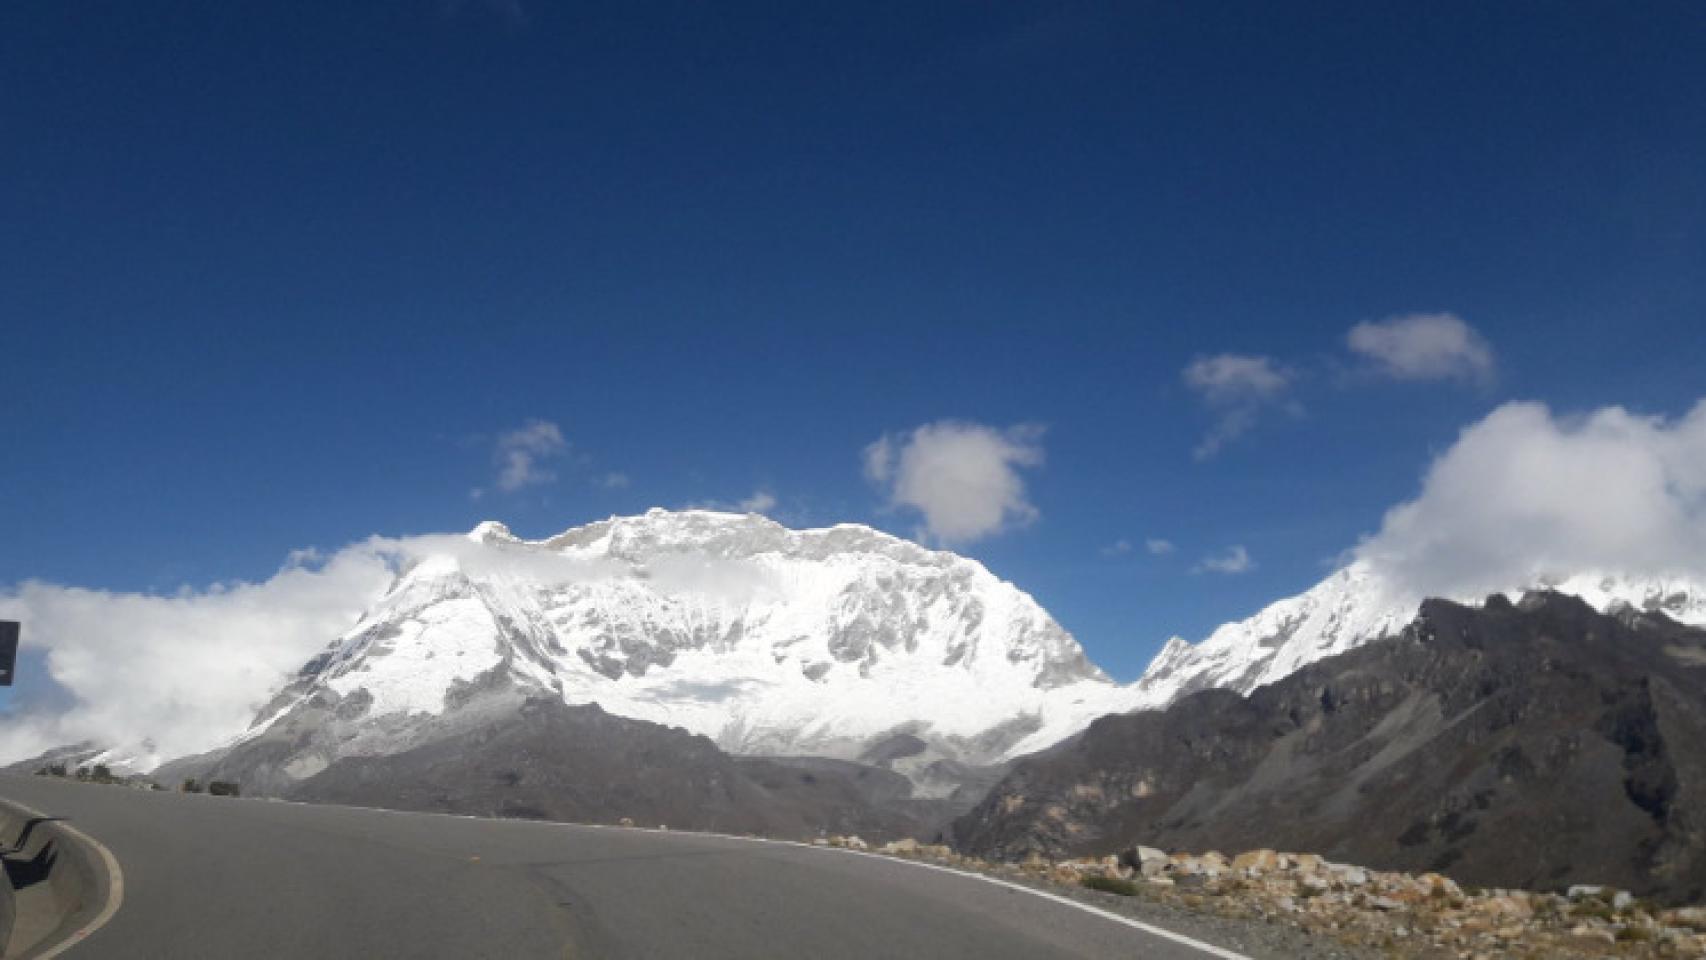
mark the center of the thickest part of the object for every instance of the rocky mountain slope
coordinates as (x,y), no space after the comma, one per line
(502,751)
(548,760)
(1534,746)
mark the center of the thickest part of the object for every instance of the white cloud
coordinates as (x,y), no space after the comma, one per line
(187,671)
(1158,547)
(1118,548)
(521,453)
(183,670)
(962,478)
(879,461)
(1234,559)
(761,501)
(1424,346)
(614,480)
(1525,495)
(1236,387)
(1233,378)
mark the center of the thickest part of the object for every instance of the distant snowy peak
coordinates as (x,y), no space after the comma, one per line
(767,639)
(1354,606)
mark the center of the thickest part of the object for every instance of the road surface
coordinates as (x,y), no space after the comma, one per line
(218,877)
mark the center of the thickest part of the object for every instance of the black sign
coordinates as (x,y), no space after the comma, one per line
(8,650)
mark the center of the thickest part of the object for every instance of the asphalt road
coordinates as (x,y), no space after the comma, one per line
(218,877)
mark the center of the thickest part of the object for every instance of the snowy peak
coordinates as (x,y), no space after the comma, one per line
(767,639)
(491,531)
(660,532)
(1355,605)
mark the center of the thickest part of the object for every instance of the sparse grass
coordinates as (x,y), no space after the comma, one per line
(1593,908)
(1125,888)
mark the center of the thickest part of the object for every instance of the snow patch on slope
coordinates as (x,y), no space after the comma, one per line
(1355,605)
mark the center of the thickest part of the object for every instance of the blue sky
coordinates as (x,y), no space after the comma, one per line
(276,276)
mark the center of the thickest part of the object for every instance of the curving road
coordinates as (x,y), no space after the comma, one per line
(219,878)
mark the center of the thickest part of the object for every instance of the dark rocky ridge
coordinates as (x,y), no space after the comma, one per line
(539,758)
(1530,746)
(553,761)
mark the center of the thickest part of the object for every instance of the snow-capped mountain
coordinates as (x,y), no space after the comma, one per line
(1357,604)
(842,642)
(827,642)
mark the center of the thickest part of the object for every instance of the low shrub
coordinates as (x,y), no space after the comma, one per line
(1124,888)
(223,788)
(1592,909)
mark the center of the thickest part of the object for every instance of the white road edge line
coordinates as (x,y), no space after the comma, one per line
(1148,928)
(115,887)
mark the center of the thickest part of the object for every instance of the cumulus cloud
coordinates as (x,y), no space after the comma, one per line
(1237,388)
(522,453)
(1118,548)
(1234,559)
(1158,547)
(1423,346)
(1525,496)
(963,479)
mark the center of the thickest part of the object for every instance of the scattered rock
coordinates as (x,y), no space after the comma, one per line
(1373,912)
(1691,918)
(1594,931)
(1256,862)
